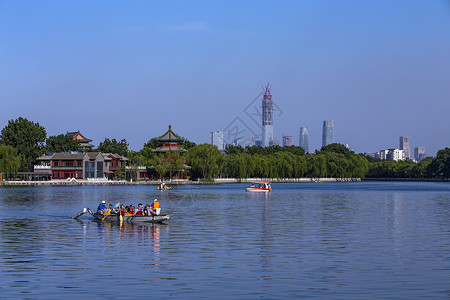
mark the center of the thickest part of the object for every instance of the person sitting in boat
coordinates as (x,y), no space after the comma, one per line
(122,210)
(147,210)
(102,207)
(109,211)
(139,210)
(132,209)
(155,207)
(113,210)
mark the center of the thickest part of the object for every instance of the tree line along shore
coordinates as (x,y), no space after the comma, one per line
(22,141)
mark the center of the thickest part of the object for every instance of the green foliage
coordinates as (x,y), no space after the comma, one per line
(152,143)
(337,148)
(155,143)
(276,162)
(161,164)
(144,157)
(9,160)
(206,161)
(61,143)
(231,149)
(440,165)
(186,144)
(27,137)
(113,146)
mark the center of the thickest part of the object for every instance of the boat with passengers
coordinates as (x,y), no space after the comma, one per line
(127,217)
(259,186)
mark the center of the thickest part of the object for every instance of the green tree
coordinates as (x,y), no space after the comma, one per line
(440,165)
(337,148)
(205,161)
(27,137)
(161,165)
(9,160)
(231,149)
(113,146)
(61,143)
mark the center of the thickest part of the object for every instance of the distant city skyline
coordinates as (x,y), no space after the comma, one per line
(374,67)
(404,145)
(304,139)
(327,132)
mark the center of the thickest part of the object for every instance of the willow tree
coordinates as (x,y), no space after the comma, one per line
(9,160)
(206,160)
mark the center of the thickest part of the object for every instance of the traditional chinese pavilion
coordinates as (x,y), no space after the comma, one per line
(84,142)
(169,142)
(169,152)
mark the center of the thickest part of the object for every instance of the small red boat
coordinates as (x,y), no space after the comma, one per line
(259,186)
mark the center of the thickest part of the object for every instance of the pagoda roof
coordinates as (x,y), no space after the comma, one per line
(76,135)
(169,136)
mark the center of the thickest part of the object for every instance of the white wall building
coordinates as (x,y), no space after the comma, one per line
(392,154)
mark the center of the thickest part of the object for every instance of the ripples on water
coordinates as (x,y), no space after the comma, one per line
(344,240)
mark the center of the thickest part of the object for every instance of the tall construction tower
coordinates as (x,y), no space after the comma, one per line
(267,118)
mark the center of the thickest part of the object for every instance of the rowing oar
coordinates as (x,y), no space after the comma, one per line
(82,212)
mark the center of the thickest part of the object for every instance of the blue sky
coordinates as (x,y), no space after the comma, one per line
(128,69)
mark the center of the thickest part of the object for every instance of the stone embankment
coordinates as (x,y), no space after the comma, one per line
(273,180)
(75,182)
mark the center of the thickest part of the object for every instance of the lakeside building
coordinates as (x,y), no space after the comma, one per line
(267,118)
(304,139)
(327,133)
(169,159)
(391,154)
(217,140)
(404,145)
(287,140)
(85,143)
(76,165)
(419,153)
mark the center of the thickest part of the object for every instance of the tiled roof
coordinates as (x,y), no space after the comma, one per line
(169,136)
(93,155)
(66,156)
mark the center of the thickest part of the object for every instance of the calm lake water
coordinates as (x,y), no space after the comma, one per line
(329,240)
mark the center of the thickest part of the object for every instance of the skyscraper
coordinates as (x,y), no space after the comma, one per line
(327,133)
(267,118)
(419,153)
(287,140)
(404,145)
(217,140)
(304,143)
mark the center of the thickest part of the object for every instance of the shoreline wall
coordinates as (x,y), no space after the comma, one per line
(215,181)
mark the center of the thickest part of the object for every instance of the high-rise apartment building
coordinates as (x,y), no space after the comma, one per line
(327,133)
(404,145)
(391,154)
(217,140)
(267,118)
(419,153)
(304,143)
(287,140)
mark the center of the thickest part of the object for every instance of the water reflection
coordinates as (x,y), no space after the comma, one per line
(323,241)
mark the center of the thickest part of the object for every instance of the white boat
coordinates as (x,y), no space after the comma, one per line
(260,187)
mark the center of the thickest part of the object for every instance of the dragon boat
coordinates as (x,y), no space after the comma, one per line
(127,218)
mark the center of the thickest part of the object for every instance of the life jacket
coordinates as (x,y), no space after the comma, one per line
(155,205)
